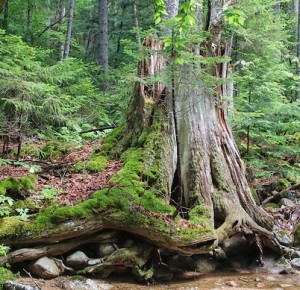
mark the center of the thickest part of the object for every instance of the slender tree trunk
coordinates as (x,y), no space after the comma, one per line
(103,35)
(60,15)
(6,14)
(298,48)
(69,31)
(137,26)
(48,19)
(30,8)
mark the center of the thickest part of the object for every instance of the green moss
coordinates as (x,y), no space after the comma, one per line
(30,204)
(217,170)
(12,186)
(97,163)
(111,145)
(255,195)
(78,167)
(270,205)
(283,184)
(54,149)
(154,204)
(5,274)
(296,242)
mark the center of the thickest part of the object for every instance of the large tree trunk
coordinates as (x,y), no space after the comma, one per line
(177,150)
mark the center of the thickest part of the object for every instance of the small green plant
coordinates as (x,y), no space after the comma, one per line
(23,213)
(3,250)
(5,205)
(48,193)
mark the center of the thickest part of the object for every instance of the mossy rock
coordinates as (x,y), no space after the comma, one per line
(55,149)
(296,242)
(5,274)
(282,184)
(97,163)
(14,186)
(79,167)
(23,204)
(270,205)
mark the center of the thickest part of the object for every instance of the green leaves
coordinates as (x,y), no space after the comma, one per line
(234,16)
(159,11)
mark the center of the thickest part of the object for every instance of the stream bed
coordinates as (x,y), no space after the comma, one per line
(214,281)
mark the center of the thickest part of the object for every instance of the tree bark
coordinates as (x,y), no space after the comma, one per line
(30,21)
(69,31)
(298,47)
(48,19)
(103,35)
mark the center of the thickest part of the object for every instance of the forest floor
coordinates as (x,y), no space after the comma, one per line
(55,174)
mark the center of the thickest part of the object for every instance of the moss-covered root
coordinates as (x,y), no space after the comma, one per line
(134,258)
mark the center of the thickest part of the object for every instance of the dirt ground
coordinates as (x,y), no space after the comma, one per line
(214,281)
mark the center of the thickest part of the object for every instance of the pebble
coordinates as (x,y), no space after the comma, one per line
(232,284)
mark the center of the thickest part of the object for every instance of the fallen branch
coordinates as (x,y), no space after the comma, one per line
(102,128)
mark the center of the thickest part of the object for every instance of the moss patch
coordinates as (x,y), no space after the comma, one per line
(270,205)
(97,163)
(14,186)
(55,149)
(296,242)
(5,274)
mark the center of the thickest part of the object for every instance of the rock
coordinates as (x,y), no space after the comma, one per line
(290,194)
(281,236)
(238,251)
(285,202)
(241,261)
(92,262)
(273,265)
(128,243)
(45,268)
(10,285)
(163,273)
(231,284)
(295,254)
(204,264)
(105,250)
(296,263)
(235,246)
(219,254)
(87,284)
(77,260)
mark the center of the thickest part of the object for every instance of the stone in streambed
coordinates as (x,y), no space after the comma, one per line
(105,250)
(45,268)
(77,260)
